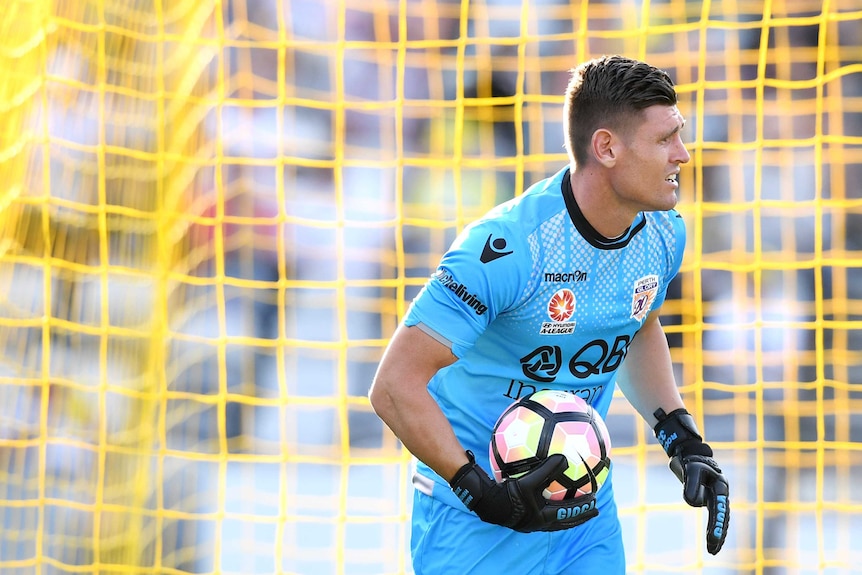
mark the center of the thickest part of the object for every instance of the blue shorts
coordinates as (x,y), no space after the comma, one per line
(447,540)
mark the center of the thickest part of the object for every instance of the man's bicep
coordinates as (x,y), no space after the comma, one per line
(415,353)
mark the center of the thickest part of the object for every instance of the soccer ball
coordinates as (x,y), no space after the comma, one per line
(547,422)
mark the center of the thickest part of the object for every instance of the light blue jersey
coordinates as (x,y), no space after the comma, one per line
(531,297)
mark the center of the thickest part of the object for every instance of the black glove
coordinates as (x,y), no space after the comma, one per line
(519,503)
(691,461)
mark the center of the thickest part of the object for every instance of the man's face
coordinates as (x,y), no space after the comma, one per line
(646,174)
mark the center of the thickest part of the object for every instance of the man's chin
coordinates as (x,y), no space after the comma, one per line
(665,206)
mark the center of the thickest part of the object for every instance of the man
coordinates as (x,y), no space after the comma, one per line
(601,236)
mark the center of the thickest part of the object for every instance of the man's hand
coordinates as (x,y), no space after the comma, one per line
(691,461)
(519,503)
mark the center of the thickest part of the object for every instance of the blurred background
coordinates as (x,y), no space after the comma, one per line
(213,214)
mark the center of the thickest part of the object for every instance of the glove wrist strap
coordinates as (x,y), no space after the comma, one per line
(675,429)
(470,483)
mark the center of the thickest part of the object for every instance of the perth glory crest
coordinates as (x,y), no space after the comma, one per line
(643,296)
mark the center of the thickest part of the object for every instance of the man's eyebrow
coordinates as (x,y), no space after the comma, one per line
(676,129)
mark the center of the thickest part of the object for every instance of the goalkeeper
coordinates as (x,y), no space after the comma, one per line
(602,236)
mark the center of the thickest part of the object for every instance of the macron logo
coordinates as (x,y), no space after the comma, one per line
(493,250)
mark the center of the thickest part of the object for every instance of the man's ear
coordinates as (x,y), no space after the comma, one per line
(605,147)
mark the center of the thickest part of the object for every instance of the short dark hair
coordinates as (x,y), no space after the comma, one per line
(610,92)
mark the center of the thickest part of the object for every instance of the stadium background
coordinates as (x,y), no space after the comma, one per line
(212,215)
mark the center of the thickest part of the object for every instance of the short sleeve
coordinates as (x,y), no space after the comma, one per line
(482,275)
(675,250)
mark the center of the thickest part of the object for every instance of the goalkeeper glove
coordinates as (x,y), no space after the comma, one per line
(519,503)
(691,461)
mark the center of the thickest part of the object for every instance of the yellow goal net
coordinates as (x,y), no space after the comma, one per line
(213,214)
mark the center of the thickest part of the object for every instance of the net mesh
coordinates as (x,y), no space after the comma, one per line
(213,215)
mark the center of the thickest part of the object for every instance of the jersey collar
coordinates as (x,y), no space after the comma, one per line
(588,231)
